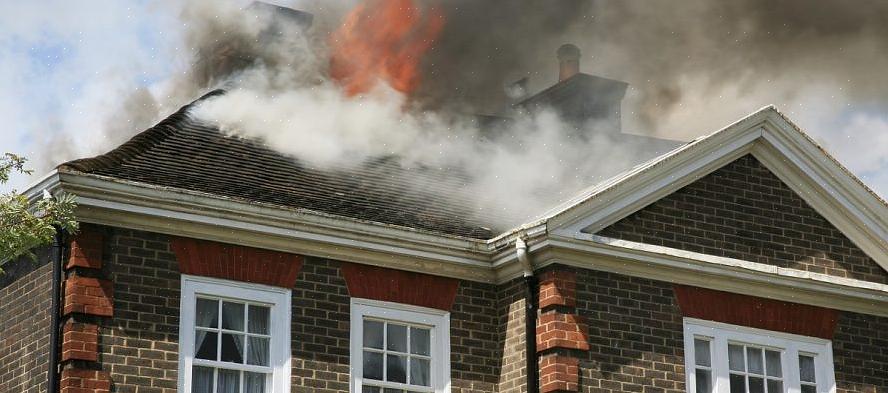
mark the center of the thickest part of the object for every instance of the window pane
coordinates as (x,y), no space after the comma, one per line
(370,389)
(254,382)
(419,341)
(373,334)
(233,316)
(775,386)
(701,352)
(205,345)
(396,368)
(738,384)
(373,365)
(229,381)
(756,385)
(390,390)
(257,351)
(201,380)
(258,319)
(735,357)
(396,338)
(704,381)
(207,313)
(232,348)
(772,363)
(806,368)
(809,389)
(754,361)
(419,372)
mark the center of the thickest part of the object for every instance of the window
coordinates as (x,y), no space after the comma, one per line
(397,348)
(234,337)
(724,358)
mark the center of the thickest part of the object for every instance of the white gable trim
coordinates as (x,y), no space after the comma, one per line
(781,147)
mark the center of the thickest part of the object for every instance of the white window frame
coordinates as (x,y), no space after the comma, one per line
(790,345)
(438,320)
(278,300)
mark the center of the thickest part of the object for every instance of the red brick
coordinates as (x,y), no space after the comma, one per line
(84,381)
(559,374)
(234,262)
(89,296)
(557,330)
(558,288)
(86,250)
(80,341)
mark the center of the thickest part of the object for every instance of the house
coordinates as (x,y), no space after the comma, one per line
(748,260)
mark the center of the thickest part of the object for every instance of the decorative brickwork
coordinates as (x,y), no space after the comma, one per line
(80,341)
(743,211)
(745,310)
(558,288)
(88,295)
(559,373)
(635,335)
(561,334)
(238,263)
(25,305)
(398,286)
(84,381)
(566,331)
(86,250)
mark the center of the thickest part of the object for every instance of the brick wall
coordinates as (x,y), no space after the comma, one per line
(475,353)
(512,340)
(635,334)
(860,353)
(139,345)
(25,301)
(743,211)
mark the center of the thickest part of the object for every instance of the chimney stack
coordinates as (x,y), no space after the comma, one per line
(568,61)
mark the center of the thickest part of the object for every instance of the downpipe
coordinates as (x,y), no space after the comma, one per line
(530,315)
(58,252)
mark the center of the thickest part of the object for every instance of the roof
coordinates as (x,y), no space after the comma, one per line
(184,153)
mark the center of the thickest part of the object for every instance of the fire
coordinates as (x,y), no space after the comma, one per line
(383,41)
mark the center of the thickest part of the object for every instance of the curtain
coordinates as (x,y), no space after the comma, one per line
(202,380)
(203,319)
(229,381)
(258,347)
(233,319)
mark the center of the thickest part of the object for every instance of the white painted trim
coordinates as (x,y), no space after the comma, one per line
(277,298)
(789,344)
(438,320)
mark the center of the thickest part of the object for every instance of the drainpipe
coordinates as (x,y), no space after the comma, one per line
(530,316)
(58,252)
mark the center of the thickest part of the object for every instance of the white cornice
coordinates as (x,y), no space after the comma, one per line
(559,237)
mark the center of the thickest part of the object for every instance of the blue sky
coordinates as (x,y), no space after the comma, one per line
(66,68)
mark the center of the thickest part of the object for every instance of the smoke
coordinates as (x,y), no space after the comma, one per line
(692,66)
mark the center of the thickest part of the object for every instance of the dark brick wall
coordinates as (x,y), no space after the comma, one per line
(860,353)
(743,211)
(635,334)
(25,301)
(139,345)
(512,339)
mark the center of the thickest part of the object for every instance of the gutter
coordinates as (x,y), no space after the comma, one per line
(530,315)
(58,252)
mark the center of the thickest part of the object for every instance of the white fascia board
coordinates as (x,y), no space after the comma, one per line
(719,273)
(173,212)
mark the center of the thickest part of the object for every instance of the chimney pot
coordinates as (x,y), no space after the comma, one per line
(568,61)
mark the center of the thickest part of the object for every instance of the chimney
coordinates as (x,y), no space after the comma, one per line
(568,61)
(590,103)
(233,54)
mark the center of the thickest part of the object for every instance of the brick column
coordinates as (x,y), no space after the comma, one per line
(561,334)
(88,297)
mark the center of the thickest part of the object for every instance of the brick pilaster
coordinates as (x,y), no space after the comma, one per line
(560,333)
(87,296)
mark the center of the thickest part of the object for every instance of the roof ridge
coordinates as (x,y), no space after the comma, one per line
(139,143)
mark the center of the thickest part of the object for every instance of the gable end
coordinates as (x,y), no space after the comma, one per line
(744,211)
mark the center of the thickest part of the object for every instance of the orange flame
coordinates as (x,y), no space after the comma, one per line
(383,41)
